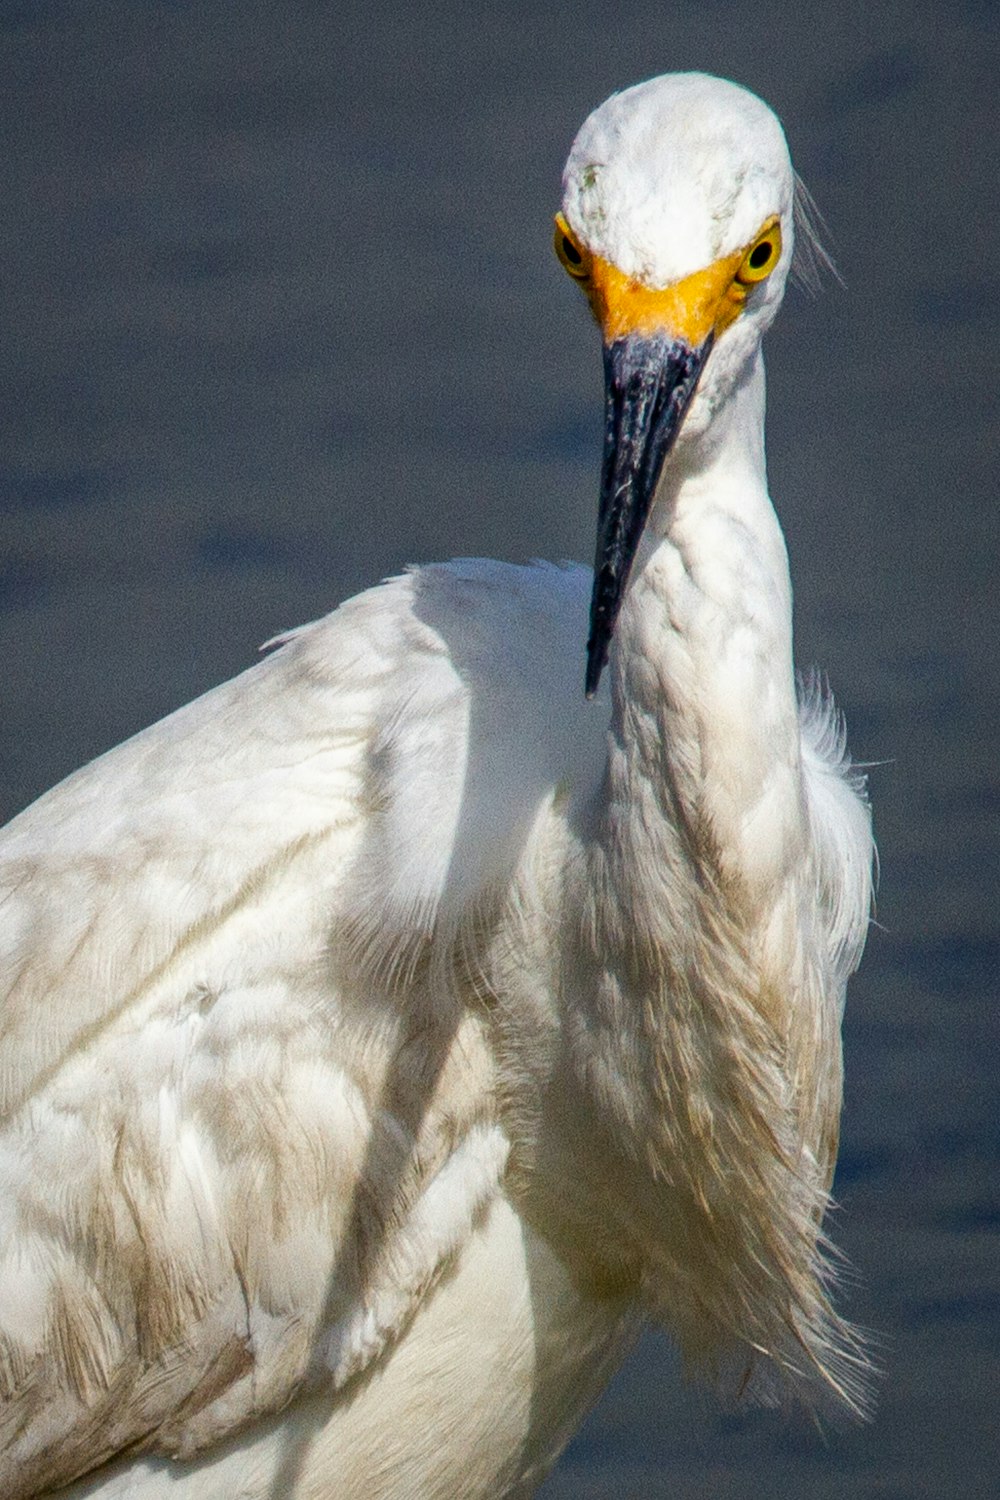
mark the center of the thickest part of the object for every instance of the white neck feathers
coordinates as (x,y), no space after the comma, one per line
(705,711)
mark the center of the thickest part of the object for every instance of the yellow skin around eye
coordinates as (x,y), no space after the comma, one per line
(707,301)
(572,257)
(769,238)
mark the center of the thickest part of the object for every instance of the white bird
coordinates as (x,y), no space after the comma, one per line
(389,1033)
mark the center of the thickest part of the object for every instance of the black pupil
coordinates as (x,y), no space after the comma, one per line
(571,252)
(760,254)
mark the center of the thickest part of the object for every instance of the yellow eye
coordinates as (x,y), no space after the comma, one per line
(762,257)
(574,259)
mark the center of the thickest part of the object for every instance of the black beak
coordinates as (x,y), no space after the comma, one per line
(648,386)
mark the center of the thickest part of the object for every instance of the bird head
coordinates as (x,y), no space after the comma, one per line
(676,221)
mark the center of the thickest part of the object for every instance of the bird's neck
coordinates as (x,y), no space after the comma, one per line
(687,919)
(704,731)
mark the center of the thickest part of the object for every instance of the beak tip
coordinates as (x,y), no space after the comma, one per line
(596,660)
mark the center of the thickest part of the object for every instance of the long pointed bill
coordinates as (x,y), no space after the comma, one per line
(649,380)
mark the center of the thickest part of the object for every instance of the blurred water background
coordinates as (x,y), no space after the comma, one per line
(280,315)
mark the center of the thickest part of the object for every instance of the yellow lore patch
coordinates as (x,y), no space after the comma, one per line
(705,302)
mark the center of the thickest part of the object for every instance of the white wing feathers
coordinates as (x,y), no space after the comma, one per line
(235,1149)
(841,828)
(231,1159)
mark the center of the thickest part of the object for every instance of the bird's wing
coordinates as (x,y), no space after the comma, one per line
(836,912)
(841,829)
(246,1099)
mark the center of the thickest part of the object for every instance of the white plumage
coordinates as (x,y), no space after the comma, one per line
(390,1031)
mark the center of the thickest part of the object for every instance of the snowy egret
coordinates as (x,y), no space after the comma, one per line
(390,1032)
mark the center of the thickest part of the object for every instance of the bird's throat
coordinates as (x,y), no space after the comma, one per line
(705,719)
